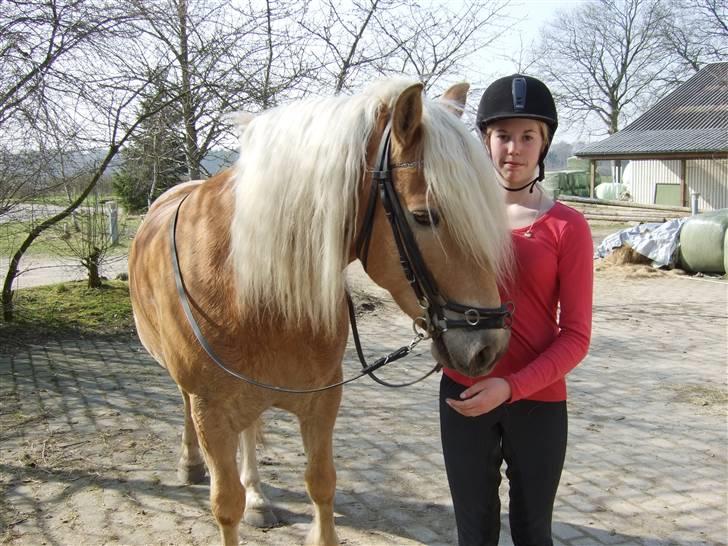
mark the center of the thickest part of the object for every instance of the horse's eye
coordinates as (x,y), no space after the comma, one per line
(426,217)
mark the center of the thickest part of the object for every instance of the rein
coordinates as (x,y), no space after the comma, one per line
(367,369)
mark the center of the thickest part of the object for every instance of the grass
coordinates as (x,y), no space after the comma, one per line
(68,309)
(50,243)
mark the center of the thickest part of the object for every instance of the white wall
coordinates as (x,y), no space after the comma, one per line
(709,177)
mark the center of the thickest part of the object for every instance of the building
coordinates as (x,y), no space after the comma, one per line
(677,147)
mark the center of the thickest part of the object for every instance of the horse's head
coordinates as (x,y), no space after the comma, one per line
(431,201)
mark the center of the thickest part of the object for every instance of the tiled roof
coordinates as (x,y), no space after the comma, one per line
(691,119)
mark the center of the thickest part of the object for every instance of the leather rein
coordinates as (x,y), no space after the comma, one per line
(433,321)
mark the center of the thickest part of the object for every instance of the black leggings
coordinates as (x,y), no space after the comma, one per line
(531,437)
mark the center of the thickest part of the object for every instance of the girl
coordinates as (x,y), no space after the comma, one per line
(518,412)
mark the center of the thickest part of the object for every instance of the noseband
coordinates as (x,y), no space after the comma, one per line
(433,303)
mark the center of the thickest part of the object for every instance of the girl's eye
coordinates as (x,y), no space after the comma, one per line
(426,217)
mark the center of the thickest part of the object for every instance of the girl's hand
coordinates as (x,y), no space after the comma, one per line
(484,396)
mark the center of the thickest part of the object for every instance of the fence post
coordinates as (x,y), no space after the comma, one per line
(113,222)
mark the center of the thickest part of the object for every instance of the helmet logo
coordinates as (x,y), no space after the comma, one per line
(518,89)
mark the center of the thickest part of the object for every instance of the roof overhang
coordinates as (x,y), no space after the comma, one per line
(654,156)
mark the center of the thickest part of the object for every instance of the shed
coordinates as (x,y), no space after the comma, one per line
(677,147)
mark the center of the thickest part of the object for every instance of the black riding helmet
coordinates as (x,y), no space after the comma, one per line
(519,96)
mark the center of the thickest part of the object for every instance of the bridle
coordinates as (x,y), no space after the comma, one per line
(432,323)
(433,320)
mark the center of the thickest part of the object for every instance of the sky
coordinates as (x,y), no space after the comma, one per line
(528,17)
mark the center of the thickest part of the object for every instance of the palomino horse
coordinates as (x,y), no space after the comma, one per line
(262,250)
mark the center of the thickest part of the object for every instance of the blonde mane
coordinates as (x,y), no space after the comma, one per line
(296,185)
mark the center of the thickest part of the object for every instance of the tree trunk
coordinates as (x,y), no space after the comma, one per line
(92,266)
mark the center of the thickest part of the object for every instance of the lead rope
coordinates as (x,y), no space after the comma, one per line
(367,369)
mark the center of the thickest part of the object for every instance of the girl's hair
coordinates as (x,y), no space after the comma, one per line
(542,128)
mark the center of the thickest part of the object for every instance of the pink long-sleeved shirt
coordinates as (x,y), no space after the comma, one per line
(552,292)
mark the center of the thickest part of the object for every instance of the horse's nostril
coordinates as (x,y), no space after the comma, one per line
(482,361)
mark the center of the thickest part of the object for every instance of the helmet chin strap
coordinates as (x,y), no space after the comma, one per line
(532,183)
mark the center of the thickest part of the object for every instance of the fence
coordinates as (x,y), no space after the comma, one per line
(623,211)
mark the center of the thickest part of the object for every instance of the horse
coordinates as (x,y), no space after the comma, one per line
(387,176)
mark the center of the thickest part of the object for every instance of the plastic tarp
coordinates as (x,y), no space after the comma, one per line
(659,242)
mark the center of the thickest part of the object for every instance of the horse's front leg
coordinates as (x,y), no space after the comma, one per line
(317,428)
(258,512)
(191,466)
(219,441)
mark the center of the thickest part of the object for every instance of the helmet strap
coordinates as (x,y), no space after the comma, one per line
(532,183)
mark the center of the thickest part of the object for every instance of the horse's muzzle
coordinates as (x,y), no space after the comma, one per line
(470,352)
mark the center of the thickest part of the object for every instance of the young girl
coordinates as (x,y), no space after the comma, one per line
(518,412)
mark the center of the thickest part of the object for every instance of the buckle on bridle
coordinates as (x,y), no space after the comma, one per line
(472,317)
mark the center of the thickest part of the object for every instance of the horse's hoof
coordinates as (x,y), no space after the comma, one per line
(260,518)
(191,475)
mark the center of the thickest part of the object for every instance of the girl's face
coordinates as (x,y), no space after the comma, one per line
(515,144)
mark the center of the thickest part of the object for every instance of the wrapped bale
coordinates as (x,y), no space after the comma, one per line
(612,191)
(703,243)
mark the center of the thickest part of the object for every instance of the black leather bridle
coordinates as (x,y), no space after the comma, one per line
(434,320)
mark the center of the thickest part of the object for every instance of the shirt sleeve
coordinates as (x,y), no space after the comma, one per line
(575,285)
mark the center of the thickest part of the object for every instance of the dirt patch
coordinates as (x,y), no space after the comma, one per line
(709,399)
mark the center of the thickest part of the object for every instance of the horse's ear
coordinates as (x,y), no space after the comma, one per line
(240,119)
(456,97)
(407,115)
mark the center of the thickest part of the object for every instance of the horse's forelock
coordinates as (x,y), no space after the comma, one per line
(462,181)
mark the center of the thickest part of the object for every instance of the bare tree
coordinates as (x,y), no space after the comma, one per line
(603,59)
(348,46)
(36,35)
(284,68)
(437,43)
(355,41)
(61,104)
(695,33)
(189,41)
(92,240)
(36,39)
(220,58)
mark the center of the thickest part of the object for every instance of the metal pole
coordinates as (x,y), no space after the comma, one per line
(694,196)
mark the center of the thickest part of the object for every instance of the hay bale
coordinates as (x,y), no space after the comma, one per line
(703,242)
(626,255)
